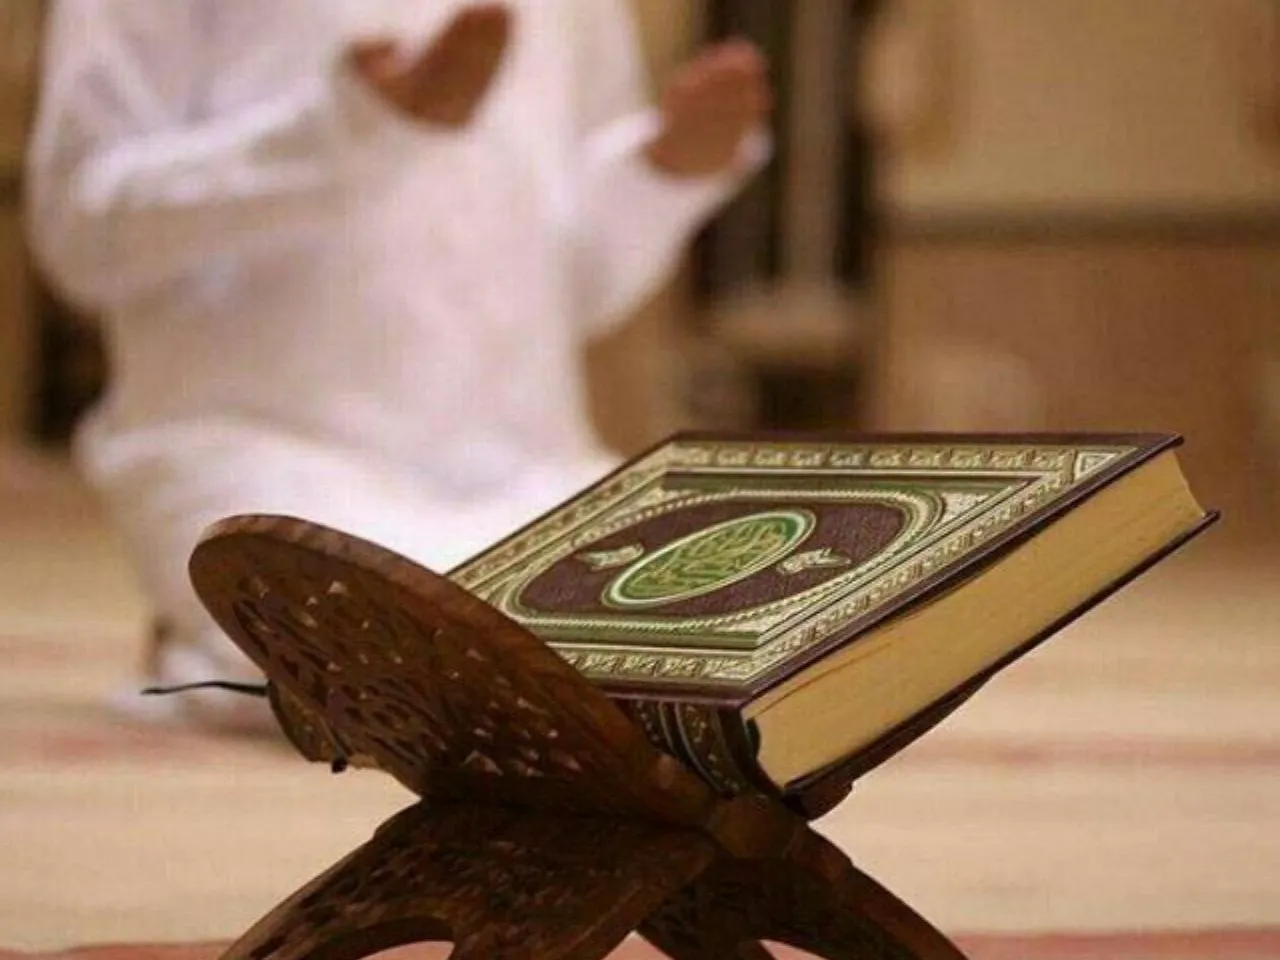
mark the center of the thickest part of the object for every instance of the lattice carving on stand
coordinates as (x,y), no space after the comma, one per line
(409,673)
(495,881)
(550,827)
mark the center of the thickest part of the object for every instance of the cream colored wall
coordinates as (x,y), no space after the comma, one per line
(1086,335)
(1095,106)
(667,27)
(1108,112)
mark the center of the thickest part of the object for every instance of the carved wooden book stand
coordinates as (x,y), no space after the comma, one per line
(548,827)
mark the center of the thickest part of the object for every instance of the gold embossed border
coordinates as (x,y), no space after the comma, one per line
(748,623)
(1048,472)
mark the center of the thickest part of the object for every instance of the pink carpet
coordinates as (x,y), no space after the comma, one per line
(1206,945)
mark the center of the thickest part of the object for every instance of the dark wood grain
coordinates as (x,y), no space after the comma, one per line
(495,881)
(549,827)
(811,898)
(397,668)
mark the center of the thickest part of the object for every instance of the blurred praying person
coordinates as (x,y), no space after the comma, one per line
(346,253)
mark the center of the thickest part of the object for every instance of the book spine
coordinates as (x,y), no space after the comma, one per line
(716,744)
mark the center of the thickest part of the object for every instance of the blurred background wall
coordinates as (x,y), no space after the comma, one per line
(1083,209)
(1072,214)
(985,214)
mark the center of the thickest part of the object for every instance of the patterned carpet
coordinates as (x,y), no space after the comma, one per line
(1114,796)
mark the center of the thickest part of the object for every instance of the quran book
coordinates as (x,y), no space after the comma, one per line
(780,612)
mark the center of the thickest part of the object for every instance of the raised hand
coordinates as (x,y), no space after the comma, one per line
(444,82)
(708,107)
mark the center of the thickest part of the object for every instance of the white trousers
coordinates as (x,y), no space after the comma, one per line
(165,485)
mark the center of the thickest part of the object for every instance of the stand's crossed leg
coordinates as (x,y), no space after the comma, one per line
(814,900)
(504,883)
(498,882)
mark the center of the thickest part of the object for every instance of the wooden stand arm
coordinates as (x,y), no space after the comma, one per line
(813,899)
(501,882)
(497,882)
(550,827)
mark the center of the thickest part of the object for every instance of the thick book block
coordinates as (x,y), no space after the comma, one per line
(770,610)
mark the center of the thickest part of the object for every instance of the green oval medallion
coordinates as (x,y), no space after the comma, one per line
(710,559)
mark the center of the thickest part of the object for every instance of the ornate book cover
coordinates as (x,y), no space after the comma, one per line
(710,570)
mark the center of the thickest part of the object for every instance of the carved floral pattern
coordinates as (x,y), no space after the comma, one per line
(399,669)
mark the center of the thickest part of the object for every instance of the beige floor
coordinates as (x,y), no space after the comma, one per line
(1126,777)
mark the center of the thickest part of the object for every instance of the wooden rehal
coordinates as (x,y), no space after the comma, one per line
(546,826)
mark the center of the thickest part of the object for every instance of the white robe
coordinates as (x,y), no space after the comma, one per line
(314,307)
